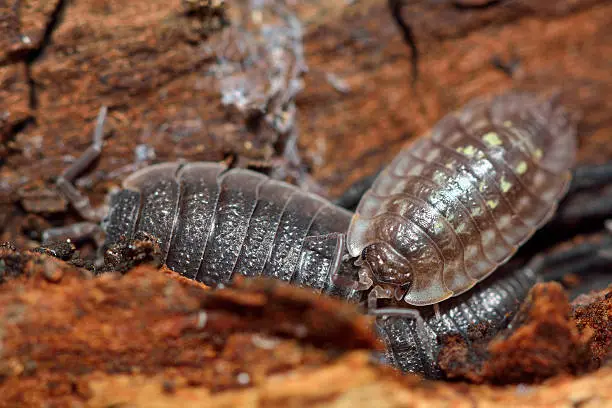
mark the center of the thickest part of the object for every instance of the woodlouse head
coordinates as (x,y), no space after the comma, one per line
(385,267)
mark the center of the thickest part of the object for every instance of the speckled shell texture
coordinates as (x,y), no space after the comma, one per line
(213,223)
(460,201)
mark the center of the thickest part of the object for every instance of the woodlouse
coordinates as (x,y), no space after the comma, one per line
(445,214)
(213,222)
(458,203)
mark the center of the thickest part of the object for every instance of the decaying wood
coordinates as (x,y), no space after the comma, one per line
(152,337)
(352,382)
(59,325)
(69,338)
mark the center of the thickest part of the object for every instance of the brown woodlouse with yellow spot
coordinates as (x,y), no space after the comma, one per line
(458,203)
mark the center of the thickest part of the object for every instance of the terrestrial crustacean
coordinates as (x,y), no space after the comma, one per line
(448,211)
(213,223)
(458,203)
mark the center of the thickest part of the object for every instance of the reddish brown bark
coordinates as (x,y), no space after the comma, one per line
(150,62)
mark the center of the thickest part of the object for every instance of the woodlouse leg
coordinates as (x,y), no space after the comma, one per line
(572,259)
(80,201)
(377,293)
(583,208)
(75,232)
(364,282)
(436,308)
(588,203)
(414,314)
(606,252)
(588,261)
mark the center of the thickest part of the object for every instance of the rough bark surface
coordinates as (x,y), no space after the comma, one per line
(70,339)
(152,338)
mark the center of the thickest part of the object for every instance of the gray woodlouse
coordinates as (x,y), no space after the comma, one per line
(445,214)
(213,222)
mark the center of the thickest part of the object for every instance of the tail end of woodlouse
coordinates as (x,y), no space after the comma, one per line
(554,134)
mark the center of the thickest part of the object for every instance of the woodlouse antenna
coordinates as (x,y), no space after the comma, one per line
(92,152)
(79,201)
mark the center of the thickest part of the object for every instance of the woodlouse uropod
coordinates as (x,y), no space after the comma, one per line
(445,214)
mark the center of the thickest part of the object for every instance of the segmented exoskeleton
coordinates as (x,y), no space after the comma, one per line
(458,203)
(441,217)
(413,345)
(213,223)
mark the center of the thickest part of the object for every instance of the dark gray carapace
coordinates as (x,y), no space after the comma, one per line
(213,223)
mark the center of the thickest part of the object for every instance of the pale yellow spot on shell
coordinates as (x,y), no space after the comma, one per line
(492,203)
(482,187)
(476,212)
(537,154)
(521,168)
(492,139)
(508,123)
(461,227)
(505,185)
(449,166)
(469,150)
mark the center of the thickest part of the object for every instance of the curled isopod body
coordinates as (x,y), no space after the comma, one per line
(458,203)
(213,223)
(414,345)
